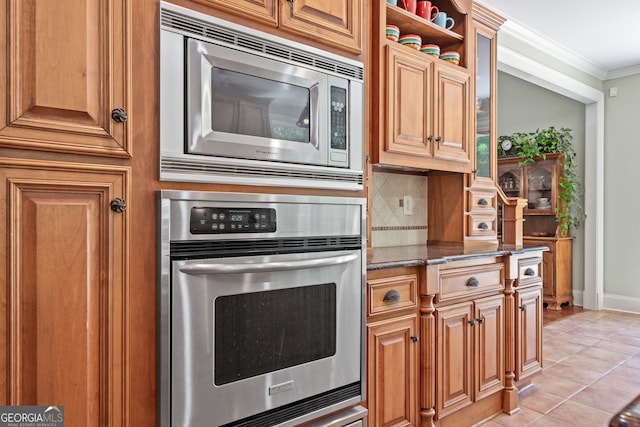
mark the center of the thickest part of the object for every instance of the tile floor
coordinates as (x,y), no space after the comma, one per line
(591,370)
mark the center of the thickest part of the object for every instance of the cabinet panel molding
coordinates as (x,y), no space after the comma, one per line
(337,23)
(61,83)
(64,289)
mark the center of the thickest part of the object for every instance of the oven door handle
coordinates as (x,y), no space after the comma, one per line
(218,268)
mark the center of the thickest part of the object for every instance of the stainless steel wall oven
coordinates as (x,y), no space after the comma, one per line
(260,308)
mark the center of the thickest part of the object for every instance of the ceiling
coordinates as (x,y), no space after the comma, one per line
(606,34)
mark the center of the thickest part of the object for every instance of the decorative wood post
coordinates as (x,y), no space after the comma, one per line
(427,361)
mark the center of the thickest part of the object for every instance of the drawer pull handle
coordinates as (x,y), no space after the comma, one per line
(473,282)
(391,296)
(483,202)
(414,338)
(483,226)
(529,272)
(523,308)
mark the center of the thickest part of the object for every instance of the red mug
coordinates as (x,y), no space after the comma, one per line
(426,10)
(410,5)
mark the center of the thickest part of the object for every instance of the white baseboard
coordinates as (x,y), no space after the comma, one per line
(621,303)
(578,298)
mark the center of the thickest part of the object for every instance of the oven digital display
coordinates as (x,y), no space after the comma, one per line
(213,220)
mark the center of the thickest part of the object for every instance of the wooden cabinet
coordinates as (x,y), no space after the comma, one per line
(425,114)
(557,283)
(470,352)
(528,332)
(539,183)
(65,282)
(65,87)
(481,206)
(392,347)
(337,23)
(417,125)
(469,335)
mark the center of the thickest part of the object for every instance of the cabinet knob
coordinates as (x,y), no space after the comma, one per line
(414,338)
(523,308)
(473,282)
(472,322)
(118,205)
(483,226)
(529,272)
(480,320)
(119,115)
(430,138)
(439,140)
(483,202)
(391,296)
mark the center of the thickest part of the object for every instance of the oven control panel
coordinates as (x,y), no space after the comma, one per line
(213,220)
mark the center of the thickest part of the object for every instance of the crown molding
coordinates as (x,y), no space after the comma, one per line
(553,49)
(623,72)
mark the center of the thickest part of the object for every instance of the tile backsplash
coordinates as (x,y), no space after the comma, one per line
(389,224)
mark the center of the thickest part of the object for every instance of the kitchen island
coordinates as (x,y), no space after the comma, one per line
(453,332)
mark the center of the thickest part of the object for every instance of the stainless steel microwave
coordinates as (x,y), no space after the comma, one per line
(243,107)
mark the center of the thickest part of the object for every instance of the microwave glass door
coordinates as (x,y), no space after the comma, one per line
(246,106)
(243,104)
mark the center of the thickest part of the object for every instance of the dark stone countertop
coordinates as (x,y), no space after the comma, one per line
(416,255)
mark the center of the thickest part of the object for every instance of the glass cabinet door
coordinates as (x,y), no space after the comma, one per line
(483,107)
(539,188)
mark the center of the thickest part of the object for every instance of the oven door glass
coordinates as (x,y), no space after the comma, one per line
(287,327)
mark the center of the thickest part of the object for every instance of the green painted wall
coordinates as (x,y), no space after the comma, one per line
(525,107)
(621,187)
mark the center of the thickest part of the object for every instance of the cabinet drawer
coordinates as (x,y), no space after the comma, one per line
(529,271)
(461,282)
(482,225)
(482,201)
(391,294)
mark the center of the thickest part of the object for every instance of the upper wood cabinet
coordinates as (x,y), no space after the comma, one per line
(65,76)
(423,103)
(337,23)
(426,112)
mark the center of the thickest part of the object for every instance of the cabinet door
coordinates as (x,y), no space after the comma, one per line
(259,10)
(65,283)
(528,332)
(454,341)
(60,85)
(408,104)
(489,349)
(336,22)
(452,93)
(548,270)
(392,371)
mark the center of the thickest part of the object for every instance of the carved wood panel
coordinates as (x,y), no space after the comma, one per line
(64,67)
(64,289)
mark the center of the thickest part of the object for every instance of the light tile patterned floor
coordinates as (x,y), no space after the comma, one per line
(591,371)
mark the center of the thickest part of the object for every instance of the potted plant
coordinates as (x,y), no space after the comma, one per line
(536,145)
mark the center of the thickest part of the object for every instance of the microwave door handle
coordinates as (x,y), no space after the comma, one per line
(218,268)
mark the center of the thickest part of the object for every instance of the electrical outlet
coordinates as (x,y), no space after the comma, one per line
(408,205)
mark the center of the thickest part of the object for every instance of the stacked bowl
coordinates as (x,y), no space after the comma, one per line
(393,32)
(451,56)
(412,40)
(430,49)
